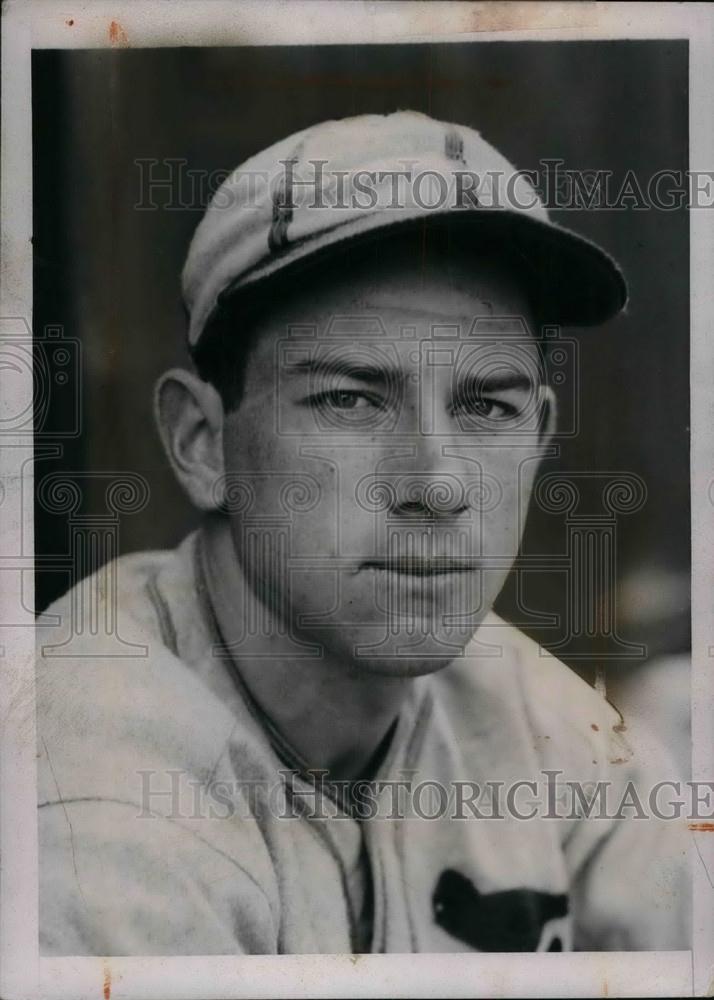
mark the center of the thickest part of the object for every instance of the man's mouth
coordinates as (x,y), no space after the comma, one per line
(420,566)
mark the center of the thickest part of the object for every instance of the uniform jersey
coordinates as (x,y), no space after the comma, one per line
(173,820)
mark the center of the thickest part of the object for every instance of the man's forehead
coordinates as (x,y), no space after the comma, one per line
(461,351)
(341,331)
(470,294)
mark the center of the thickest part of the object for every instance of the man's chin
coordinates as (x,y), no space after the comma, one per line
(402,666)
(411,654)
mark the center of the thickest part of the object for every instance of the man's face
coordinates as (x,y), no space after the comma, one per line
(381,460)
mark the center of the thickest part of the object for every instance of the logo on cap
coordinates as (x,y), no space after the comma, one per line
(282,209)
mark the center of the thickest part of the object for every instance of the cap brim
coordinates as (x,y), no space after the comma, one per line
(572,281)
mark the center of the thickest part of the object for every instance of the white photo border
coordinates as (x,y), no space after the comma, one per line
(29,24)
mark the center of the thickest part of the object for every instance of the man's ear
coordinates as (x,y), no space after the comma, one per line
(189,415)
(549,414)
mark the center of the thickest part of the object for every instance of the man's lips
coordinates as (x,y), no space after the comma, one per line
(419,566)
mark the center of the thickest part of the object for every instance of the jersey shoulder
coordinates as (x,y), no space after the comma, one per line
(508,676)
(115,695)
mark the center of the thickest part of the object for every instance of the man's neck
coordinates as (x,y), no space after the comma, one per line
(335,716)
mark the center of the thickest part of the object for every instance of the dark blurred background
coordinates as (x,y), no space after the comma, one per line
(108,274)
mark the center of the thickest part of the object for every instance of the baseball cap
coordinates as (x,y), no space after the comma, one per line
(367,177)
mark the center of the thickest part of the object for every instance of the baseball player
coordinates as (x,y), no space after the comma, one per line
(317,736)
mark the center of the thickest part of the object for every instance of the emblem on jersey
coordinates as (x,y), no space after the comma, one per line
(512,920)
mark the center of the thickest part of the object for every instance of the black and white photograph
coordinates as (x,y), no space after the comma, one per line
(358,514)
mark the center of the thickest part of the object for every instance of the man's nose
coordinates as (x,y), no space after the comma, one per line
(433,482)
(431,499)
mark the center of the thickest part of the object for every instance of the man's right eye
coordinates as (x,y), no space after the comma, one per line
(346,399)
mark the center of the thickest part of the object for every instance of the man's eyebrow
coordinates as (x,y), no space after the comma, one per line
(352,368)
(500,381)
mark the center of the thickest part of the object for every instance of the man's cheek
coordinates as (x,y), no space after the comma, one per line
(338,526)
(501,518)
(303,499)
(260,448)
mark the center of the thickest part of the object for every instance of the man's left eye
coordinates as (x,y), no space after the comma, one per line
(484,406)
